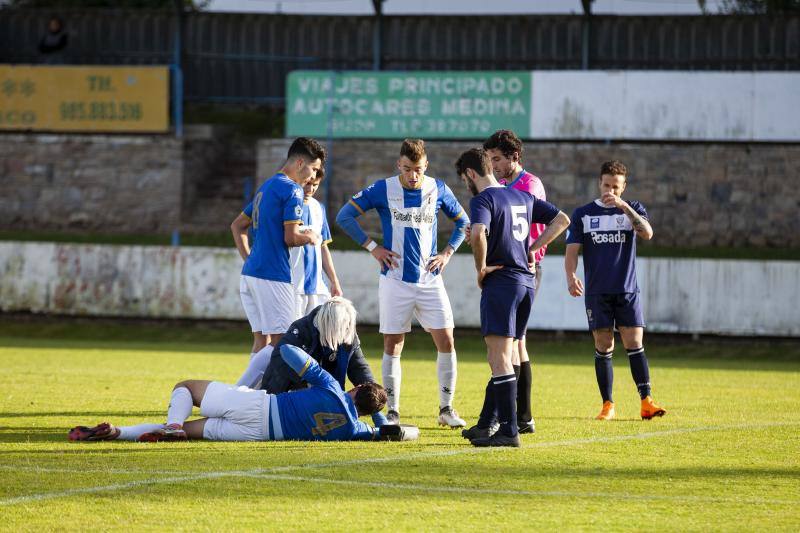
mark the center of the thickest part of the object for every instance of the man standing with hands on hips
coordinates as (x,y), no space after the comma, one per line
(501,219)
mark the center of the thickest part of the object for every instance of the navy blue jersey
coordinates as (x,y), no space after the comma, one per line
(609,247)
(508,215)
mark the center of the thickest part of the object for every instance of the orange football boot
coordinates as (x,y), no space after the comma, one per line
(607,412)
(650,409)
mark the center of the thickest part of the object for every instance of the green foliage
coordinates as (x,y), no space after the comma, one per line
(724,458)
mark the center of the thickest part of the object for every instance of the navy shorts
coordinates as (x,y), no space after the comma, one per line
(607,311)
(505,310)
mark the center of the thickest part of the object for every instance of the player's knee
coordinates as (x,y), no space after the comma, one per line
(184,384)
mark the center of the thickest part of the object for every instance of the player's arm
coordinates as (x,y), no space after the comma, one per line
(553,229)
(456,213)
(292,235)
(574,283)
(239,230)
(346,219)
(479,247)
(574,243)
(639,221)
(306,367)
(330,271)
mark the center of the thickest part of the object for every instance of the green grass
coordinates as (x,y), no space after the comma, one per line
(725,457)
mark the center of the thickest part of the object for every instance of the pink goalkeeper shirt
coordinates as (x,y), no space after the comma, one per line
(531,184)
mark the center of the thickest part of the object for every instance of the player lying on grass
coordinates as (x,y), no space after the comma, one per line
(328,334)
(323,411)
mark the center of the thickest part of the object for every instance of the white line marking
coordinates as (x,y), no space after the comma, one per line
(372,460)
(522,492)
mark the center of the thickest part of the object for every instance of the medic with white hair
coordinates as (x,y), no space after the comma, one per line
(328,335)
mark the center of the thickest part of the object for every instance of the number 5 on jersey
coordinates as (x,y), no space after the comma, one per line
(519,216)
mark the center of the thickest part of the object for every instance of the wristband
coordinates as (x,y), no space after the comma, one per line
(371,246)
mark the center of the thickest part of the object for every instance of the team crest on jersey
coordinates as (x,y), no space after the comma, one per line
(620,221)
(298,211)
(594,223)
(358,195)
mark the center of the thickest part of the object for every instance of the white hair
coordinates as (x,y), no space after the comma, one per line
(336,322)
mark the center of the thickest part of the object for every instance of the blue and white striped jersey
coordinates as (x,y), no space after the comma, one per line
(409,221)
(306,260)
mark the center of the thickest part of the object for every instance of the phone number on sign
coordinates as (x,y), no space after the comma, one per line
(101,111)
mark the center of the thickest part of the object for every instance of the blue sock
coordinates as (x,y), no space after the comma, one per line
(640,371)
(505,396)
(488,411)
(604,369)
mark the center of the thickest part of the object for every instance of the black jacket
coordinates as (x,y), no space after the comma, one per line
(346,361)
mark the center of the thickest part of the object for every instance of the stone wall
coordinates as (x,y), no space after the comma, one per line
(697,194)
(115,184)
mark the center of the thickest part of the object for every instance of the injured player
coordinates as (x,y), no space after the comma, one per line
(323,411)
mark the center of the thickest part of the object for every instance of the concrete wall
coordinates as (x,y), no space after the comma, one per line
(698,194)
(670,105)
(679,295)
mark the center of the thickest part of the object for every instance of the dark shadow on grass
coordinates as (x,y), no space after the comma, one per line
(97,414)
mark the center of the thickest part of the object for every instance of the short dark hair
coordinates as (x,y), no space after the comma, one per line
(370,398)
(476,159)
(613,168)
(413,149)
(506,141)
(306,148)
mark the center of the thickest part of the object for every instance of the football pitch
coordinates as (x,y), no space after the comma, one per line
(726,456)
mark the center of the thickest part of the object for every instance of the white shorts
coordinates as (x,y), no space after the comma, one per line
(269,305)
(305,303)
(235,413)
(399,301)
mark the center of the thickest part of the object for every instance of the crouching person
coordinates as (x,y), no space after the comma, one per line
(323,411)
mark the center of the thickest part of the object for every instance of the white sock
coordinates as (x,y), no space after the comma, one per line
(447,373)
(180,406)
(390,369)
(256,368)
(133,432)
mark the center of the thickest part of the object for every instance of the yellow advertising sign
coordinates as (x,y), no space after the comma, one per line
(84,98)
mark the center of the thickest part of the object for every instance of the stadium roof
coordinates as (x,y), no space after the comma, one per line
(466,7)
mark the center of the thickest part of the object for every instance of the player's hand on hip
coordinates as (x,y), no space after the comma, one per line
(385,257)
(575,286)
(437,264)
(485,271)
(531,261)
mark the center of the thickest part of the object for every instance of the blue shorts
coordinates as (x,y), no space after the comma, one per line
(607,311)
(505,310)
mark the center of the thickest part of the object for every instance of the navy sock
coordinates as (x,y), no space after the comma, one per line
(505,395)
(604,370)
(640,371)
(488,411)
(524,381)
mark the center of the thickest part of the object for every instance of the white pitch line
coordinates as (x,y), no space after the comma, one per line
(522,492)
(372,460)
